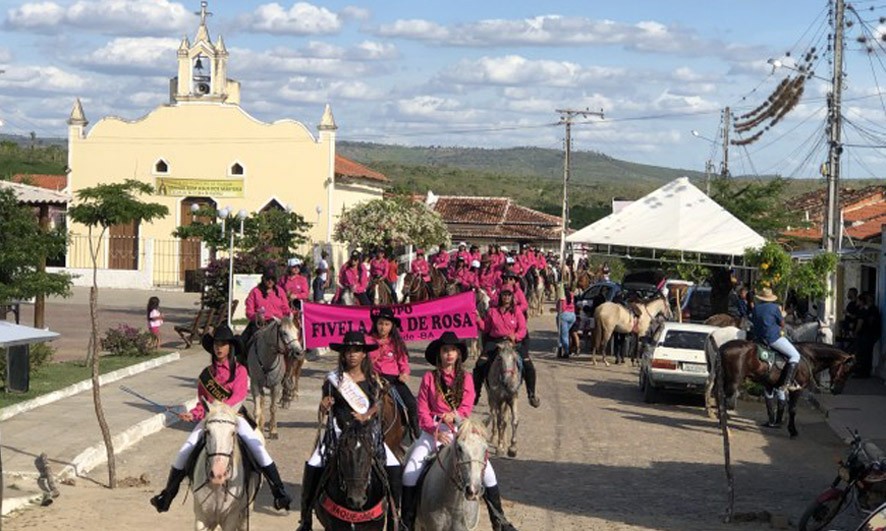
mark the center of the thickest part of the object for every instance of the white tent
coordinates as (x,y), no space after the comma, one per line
(676,217)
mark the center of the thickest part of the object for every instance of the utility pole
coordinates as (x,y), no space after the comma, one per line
(831,227)
(708,170)
(566,117)
(727,123)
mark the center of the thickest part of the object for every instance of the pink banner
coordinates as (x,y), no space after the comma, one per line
(423,321)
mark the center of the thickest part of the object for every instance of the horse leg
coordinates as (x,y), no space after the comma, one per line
(502,427)
(275,397)
(296,373)
(286,397)
(793,397)
(257,399)
(515,421)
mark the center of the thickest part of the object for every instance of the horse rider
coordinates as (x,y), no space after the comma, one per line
(511,281)
(350,394)
(463,253)
(378,266)
(495,256)
(321,277)
(488,276)
(515,264)
(295,284)
(445,396)
(420,266)
(504,322)
(354,277)
(265,302)
(604,272)
(392,275)
(457,270)
(441,258)
(475,253)
(227,381)
(469,280)
(391,360)
(768,326)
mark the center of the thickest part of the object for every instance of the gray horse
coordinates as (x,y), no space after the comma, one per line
(267,362)
(503,385)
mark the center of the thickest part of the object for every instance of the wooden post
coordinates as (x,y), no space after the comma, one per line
(723,415)
(679,306)
(40,299)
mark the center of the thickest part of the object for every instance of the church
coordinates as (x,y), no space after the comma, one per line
(202,148)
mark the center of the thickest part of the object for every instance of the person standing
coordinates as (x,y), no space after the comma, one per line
(850,315)
(155,320)
(868,333)
(565,320)
(321,277)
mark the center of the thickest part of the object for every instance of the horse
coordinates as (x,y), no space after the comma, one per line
(610,317)
(439,285)
(393,424)
(549,274)
(267,364)
(535,291)
(353,490)
(415,289)
(813,331)
(584,279)
(503,385)
(294,365)
(222,483)
(739,359)
(481,300)
(453,486)
(380,292)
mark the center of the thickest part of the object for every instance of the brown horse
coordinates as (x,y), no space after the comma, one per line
(440,286)
(379,292)
(611,317)
(737,360)
(415,289)
(393,424)
(584,279)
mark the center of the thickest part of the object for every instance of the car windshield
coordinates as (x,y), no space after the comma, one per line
(685,339)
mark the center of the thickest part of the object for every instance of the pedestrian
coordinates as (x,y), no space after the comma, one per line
(850,316)
(565,321)
(445,396)
(295,284)
(867,331)
(155,321)
(227,381)
(351,393)
(321,277)
(391,360)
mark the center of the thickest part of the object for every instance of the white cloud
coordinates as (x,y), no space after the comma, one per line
(40,79)
(111,17)
(515,70)
(355,13)
(5,55)
(300,19)
(418,29)
(434,109)
(311,90)
(134,56)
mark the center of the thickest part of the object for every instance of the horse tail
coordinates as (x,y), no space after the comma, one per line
(715,375)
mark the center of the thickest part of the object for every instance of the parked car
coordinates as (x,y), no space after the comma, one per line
(696,306)
(675,360)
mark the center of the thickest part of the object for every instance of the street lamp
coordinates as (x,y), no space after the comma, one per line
(223,214)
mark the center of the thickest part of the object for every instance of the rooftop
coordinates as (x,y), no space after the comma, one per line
(348,168)
(56,183)
(33,195)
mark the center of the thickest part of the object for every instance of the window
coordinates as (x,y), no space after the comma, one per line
(161,166)
(237,169)
(685,339)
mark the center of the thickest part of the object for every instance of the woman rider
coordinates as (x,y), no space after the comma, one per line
(504,323)
(227,381)
(351,394)
(768,324)
(355,277)
(446,396)
(265,302)
(391,360)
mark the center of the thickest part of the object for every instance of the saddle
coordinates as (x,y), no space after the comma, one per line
(770,356)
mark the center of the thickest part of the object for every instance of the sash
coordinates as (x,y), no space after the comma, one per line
(350,516)
(212,387)
(446,392)
(350,391)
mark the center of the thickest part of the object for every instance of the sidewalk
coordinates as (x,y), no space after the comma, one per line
(862,407)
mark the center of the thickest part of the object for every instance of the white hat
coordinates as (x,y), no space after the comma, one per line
(475,263)
(462,244)
(509,260)
(294,262)
(503,249)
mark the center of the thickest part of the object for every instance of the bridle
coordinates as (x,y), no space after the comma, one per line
(227,455)
(457,477)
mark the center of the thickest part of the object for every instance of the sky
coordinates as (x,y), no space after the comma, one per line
(481,73)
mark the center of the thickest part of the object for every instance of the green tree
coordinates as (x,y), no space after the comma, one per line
(98,208)
(22,244)
(776,270)
(391,221)
(759,204)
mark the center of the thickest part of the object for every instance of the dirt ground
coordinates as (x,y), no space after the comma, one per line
(592,457)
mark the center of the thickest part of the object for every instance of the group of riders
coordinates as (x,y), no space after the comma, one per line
(372,364)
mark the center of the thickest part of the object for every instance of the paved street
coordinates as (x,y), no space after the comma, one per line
(594,456)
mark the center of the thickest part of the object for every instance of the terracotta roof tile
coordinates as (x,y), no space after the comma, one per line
(348,168)
(810,233)
(496,218)
(50,182)
(864,213)
(865,231)
(477,210)
(814,202)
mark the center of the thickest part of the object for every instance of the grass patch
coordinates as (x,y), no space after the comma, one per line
(54,376)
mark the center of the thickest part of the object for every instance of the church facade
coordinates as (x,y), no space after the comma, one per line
(202,148)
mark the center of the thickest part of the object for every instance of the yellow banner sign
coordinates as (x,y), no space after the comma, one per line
(198,187)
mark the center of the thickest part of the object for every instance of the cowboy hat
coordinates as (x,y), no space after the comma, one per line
(384,313)
(353,339)
(432,353)
(766,295)
(510,274)
(222,333)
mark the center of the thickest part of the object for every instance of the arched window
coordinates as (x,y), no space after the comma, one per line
(161,166)
(237,169)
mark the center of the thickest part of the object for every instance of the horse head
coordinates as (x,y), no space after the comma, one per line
(840,372)
(289,336)
(508,379)
(481,298)
(220,432)
(354,455)
(469,455)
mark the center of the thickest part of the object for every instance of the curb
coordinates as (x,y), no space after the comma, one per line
(113,376)
(16,504)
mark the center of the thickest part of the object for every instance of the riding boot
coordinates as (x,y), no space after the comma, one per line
(162,501)
(408,507)
(310,482)
(282,500)
(529,376)
(496,513)
(773,421)
(787,376)
(560,352)
(395,483)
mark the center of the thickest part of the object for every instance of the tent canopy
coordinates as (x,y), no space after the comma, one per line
(676,217)
(12,335)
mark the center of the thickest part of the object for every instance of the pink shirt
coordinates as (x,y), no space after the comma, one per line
(431,405)
(440,260)
(500,324)
(238,386)
(354,278)
(378,267)
(420,267)
(466,278)
(466,256)
(272,306)
(488,279)
(387,359)
(567,308)
(295,286)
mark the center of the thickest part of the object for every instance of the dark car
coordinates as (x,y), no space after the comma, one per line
(696,307)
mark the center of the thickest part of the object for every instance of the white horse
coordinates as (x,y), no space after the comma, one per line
(268,363)
(222,487)
(453,486)
(813,332)
(503,386)
(717,339)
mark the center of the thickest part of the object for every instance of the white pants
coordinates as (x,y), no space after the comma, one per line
(244,430)
(316,459)
(422,448)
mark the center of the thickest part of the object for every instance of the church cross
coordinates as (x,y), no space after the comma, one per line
(203,12)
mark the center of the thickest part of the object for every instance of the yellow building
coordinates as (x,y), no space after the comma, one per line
(203,148)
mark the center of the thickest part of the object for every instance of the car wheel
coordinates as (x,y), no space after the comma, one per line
(650,393)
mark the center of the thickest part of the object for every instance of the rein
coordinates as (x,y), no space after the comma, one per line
(457,478)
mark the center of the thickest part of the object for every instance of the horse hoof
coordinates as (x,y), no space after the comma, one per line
(512,453)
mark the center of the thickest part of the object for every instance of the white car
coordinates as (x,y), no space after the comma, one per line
(675,360)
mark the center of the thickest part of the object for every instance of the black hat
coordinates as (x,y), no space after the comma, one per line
(353,339)
(432,353)
(222,333)
(510,274)
(384,313)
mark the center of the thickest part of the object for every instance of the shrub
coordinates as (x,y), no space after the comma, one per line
(41,354)
(126,340)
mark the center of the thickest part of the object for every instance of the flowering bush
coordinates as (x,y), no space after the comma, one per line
(776,270)
(391,222)
(126,340)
